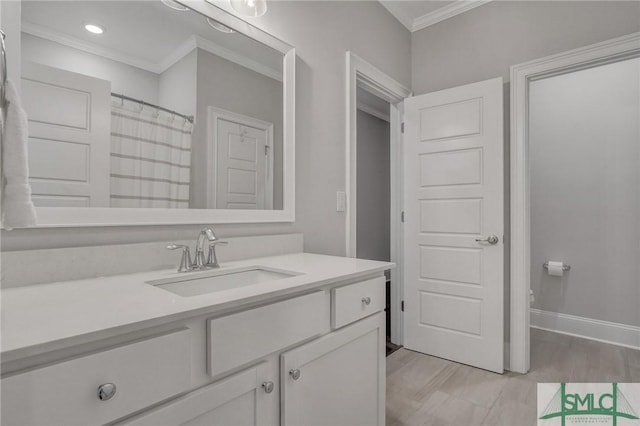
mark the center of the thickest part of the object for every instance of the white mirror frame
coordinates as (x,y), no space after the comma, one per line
(49,217)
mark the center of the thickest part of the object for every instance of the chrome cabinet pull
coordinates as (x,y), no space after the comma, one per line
(295,374)
(106,391)
(366,300)
(491,239)
(268,387)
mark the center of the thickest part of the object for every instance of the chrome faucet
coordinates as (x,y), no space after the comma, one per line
(200,260)
(200,263)
(212,260)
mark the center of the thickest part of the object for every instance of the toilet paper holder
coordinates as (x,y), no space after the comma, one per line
(545,265)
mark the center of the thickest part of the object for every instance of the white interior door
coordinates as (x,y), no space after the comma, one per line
(69,137)
(242,170)
(453,227)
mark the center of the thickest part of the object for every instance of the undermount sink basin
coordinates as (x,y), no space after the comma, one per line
(194,284)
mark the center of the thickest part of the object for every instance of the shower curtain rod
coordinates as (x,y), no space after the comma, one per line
(189,118)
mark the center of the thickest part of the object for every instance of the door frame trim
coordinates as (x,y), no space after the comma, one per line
(582,58)
(360,73)
(213,115)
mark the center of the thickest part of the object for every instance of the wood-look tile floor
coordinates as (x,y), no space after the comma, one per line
(424,390)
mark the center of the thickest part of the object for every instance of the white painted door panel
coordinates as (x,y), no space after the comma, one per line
(242,162)
(342,378)
(454,196)
(69,137)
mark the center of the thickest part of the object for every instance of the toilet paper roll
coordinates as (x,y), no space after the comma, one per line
(555,269)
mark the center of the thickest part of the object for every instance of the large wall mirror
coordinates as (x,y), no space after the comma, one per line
(155,112)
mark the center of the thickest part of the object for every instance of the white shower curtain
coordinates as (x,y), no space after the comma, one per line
(150,158)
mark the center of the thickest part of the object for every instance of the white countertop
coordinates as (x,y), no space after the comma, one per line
(39,318)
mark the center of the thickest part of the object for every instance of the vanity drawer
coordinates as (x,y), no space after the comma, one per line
(355,301)
(240,338)
(66,393)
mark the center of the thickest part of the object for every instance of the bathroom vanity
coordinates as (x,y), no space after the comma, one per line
(302,344)
(290,339)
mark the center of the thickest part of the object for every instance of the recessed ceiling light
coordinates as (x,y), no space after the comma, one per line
(94,28)
(174,5)
(218,26)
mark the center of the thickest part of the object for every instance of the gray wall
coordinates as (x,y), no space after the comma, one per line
(321,32)
(178,85)
(484,42)
(232,87)
(373,179)
(125,79)
(585,191)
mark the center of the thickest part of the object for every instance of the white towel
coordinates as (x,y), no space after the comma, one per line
(17,208)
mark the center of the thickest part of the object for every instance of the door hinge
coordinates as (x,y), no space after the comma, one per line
(402,306)
(402,216)
(401,127)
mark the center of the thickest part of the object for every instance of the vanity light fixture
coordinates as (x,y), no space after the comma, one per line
(253,8)
(218,26)
(93,28)
(174,5)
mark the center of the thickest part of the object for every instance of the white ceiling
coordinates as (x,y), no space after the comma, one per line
(419,14)
(143,33)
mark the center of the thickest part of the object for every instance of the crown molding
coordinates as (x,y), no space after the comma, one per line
(431,18)
(398,13)
(57,37)
(157,68)
(445,12)
(232,56)
(180,52)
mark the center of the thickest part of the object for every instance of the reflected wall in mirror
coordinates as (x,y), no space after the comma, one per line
(164,109)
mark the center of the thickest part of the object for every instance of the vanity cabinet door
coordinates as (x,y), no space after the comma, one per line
(247,398)
(338,379)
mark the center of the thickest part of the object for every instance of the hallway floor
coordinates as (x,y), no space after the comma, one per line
(424,390)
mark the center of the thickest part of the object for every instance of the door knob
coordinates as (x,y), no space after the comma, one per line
(366,300)
(295,374)
(268,387)
(491,239)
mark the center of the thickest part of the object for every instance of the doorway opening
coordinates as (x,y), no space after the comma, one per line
(380,89)
(373,180)
(523,258)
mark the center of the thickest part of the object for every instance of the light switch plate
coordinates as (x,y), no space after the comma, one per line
(341,201)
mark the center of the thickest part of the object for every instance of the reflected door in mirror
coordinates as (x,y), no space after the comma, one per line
(121,119)
(68,137)
(241,176)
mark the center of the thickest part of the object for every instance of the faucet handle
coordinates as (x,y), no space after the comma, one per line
(212,259)
(185,260)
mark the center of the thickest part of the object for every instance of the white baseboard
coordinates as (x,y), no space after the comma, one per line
(601,331)
(507,354)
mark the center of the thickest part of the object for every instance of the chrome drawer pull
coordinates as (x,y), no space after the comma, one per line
(106,391)
(366,300)
(295,374)
(268,387)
